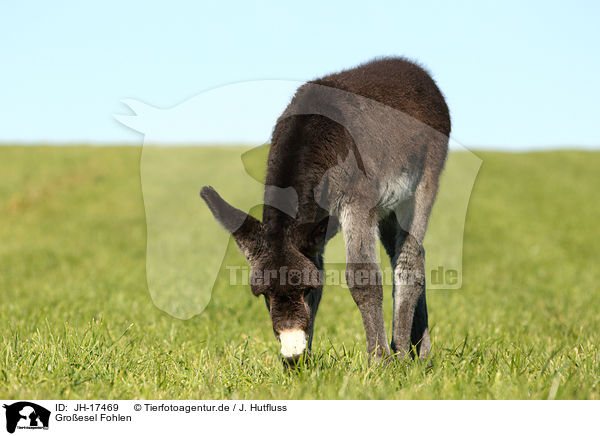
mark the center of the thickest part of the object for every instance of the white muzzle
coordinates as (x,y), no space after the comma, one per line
(293,343)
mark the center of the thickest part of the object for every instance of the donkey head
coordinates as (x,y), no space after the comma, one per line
(285,269)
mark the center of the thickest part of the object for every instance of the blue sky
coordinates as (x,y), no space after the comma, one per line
(516,74)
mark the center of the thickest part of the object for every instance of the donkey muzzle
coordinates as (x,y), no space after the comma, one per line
(293,344)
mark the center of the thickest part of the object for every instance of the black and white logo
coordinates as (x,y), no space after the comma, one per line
(26,415)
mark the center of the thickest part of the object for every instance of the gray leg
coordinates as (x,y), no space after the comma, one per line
(410,310)
(409,296)
(419,334)
(364,277)
(410,321)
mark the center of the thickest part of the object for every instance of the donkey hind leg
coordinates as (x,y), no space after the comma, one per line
(419,334)
(393,237)
(363,276)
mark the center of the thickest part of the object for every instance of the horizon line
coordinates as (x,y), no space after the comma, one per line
(87,143)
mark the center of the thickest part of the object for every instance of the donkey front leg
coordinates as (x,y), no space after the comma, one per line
(313,299)
(363,276)
(409,325)
(410,307)
(393,237)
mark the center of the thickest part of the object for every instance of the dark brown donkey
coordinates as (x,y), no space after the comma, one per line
(360,150)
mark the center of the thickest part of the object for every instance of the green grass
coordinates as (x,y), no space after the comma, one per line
(77,319)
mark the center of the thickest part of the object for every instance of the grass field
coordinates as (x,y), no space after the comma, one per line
(77,319)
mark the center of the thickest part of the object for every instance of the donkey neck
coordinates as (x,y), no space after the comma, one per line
(298,159)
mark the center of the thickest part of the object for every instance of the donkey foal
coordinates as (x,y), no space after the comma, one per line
(361,151)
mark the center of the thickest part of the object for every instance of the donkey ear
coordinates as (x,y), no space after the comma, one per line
(245,228)
(228,216)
